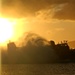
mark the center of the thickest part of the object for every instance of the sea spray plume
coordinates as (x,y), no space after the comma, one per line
(36,39)
(33,38)
(37,49)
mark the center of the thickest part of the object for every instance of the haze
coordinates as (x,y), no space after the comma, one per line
(51,19)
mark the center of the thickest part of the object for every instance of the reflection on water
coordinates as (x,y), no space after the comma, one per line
(39,69)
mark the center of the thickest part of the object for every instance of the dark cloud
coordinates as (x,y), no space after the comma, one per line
(31,7)
(67,12)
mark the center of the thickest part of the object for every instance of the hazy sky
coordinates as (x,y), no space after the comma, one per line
(52,19)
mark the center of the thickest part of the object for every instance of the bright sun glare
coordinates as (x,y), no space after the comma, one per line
(6,30)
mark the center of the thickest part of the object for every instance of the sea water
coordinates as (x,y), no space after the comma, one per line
(38,69)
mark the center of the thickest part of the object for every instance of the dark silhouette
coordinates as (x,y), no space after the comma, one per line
(36,49)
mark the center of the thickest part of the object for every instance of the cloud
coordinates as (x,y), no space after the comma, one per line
(59,9)
(67,13)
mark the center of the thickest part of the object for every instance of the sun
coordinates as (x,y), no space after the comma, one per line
(6,30)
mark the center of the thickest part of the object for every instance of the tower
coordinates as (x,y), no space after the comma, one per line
(11,46)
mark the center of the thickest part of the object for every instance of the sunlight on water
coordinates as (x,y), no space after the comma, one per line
(39,69)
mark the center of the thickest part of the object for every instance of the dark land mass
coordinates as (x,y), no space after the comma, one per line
(36,49)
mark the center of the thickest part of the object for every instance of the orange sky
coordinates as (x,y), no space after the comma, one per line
(53,20)
(57,30)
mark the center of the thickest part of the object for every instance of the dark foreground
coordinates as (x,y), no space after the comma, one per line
(39,69)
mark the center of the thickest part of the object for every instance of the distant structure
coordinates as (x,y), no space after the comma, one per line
(11,46)
(52,43)
(12,52)
(63,44)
